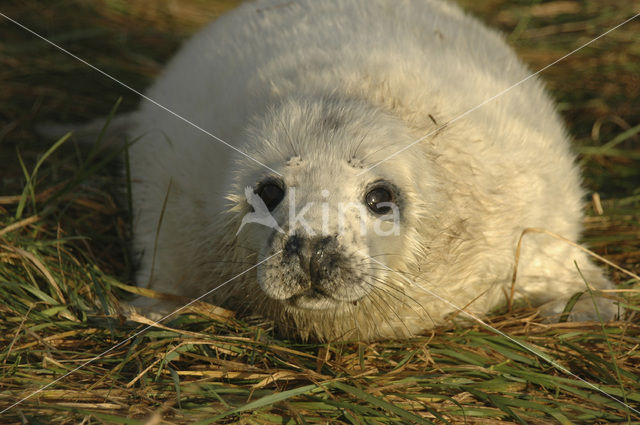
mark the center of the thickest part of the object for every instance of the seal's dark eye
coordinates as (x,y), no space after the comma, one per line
(375,197)
(271,193)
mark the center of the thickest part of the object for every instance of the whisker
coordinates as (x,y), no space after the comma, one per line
(375,303)
(406,296)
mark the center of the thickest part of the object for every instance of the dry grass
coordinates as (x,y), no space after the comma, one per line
(64,258)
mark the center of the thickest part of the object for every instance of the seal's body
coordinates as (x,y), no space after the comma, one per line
(376,236)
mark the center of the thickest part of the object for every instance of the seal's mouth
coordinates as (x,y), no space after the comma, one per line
(315,299)
(313,273)
(311,299)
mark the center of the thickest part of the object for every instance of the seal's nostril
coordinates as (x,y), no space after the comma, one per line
(324,243)
(294,245)
(315,270)
(297,248)
(324,258)
(317,257)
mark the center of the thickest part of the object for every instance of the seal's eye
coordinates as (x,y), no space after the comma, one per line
(376,196)
(271,193)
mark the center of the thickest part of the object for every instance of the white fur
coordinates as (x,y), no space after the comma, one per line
(296,85)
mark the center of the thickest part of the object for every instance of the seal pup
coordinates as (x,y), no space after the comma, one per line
(315,99)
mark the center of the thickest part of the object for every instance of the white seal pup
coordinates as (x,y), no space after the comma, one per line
(319,102)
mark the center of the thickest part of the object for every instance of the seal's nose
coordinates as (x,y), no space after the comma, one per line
(324,259)
(318,256)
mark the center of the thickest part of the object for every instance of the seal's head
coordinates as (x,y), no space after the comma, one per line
(320,267)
